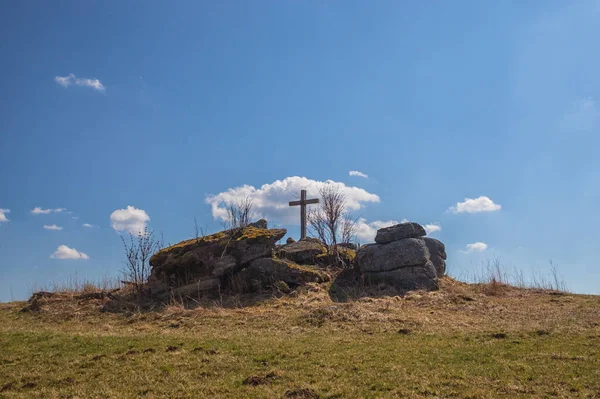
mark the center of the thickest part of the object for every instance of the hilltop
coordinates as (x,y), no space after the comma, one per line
(464,340)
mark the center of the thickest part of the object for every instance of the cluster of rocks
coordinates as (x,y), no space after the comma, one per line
(403,257)
(244,255)
(250,259)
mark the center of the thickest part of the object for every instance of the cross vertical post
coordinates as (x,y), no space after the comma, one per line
(303,202)
(303,214)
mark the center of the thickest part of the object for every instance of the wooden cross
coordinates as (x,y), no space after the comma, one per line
(303,202)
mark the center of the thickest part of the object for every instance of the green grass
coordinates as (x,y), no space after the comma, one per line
(287,348)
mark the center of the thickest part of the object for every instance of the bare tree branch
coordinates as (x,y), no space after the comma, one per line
(239,214)
(138,251)
(348,229)
(331,223)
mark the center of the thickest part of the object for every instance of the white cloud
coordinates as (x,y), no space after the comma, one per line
(475,205)
(39,211)
(64,81)
(358,173)
(64,252)
(3,213)
(130,219)
(432,228)
(475,247)
(71,79)
(366,231)
(52,227)
(271,200)
(88,225)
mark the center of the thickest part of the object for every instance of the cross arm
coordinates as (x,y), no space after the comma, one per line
(304,202)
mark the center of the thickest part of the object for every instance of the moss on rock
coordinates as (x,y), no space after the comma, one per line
(214,255)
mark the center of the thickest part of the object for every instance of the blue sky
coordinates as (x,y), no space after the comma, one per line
(160,111)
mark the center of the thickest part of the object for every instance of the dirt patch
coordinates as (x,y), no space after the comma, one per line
(7,387)
(255,380)
(302,393)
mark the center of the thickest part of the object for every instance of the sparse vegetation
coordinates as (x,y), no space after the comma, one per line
(239,214)
(199,232)
(138,251)
(76,285)
(331,223)
(495,274)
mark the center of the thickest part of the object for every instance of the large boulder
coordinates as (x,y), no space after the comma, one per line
(191,290)
(213,256)
(403,258)
(392,256)
(265,272)
(437,254)
(399,232)
(303,252)
(420,277)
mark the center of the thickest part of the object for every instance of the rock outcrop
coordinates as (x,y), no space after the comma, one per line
(311,251)
(265,272)
(246,259)
(403,258)
(399,232)
(437,255)
(203,262)
(303,252)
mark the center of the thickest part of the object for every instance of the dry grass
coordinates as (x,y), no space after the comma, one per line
(76,285)
(465,340)
(495,271)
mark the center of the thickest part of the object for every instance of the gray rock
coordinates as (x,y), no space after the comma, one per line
(399,232)
(224,265)
(267,271)
(395,255)
(437,254)
(422,277)
(212,256)
(303,252)
(405,264)
(259,224)
(191,290)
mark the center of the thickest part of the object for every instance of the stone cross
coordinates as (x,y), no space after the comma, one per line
(303,202)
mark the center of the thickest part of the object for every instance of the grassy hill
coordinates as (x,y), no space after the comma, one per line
(464,341)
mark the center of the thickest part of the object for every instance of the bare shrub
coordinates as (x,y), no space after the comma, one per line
(558,283)
(138,251)
(348,229)
(331,223)
(239,214)
(199,232)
